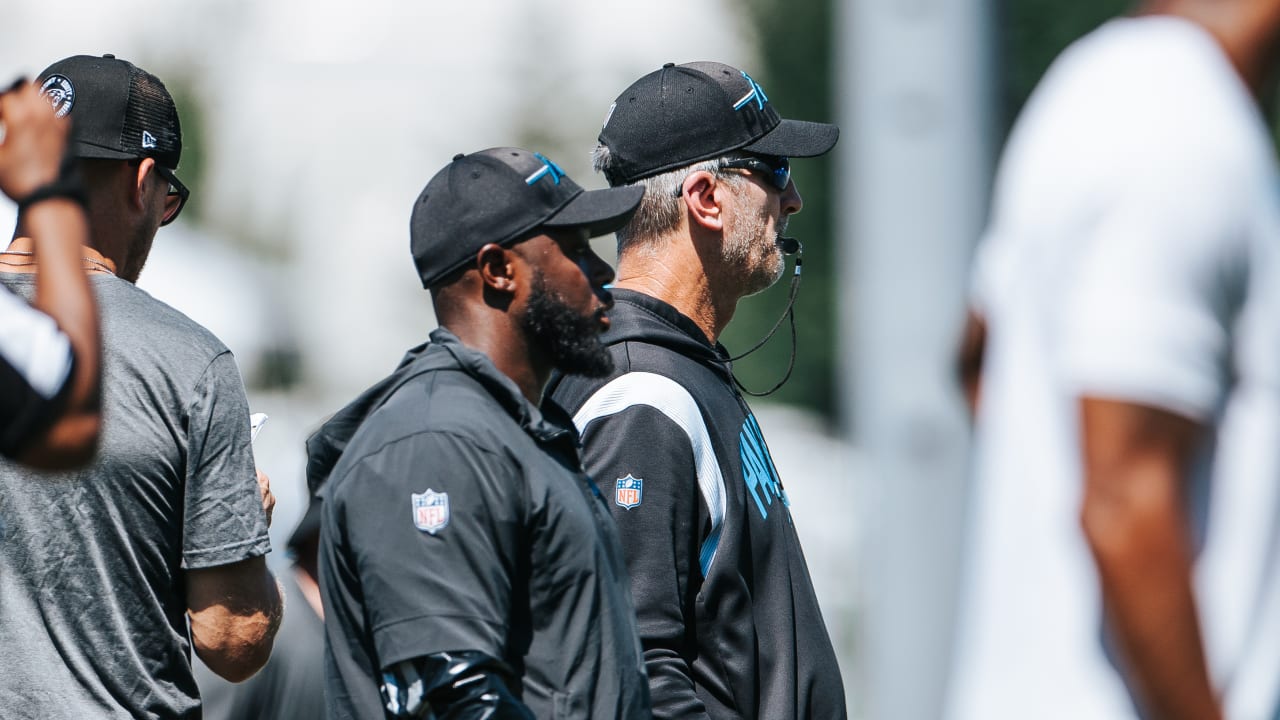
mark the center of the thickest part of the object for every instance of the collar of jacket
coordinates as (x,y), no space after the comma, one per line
(444,352)
(545,424)
(640,317)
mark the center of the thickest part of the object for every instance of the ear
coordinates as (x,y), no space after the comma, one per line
(702,194)
(138,184)
(497,268)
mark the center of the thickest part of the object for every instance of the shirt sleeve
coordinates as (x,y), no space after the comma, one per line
(435,525)
(223,519)
(1149,308)
(643,461)
(35,361)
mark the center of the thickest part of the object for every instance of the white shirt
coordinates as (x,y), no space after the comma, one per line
(1134,254)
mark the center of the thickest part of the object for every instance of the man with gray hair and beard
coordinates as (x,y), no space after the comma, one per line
(728,618)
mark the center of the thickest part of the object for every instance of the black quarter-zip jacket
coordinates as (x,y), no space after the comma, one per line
(728,618)
(456,517)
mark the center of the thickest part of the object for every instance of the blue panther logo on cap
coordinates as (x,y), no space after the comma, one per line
(548,168)
(757,94)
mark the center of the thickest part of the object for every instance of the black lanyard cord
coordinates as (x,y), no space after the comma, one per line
(788,314)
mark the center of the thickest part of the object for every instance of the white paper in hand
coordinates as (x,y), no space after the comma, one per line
(256,421)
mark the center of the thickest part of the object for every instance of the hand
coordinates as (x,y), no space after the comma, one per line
(32,143)
(268,500)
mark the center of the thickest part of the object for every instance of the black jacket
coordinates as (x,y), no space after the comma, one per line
(456,517)
(728,618)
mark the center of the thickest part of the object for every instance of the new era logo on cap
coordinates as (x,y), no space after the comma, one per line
(683,114)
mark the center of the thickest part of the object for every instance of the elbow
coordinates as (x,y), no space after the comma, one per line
(241,651)
(1120,527)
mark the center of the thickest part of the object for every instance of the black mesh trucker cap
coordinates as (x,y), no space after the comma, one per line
(502,195)
(681,114)
(118,111)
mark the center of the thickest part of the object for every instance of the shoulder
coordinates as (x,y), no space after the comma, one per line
(1144,85)
(131,312)
(640,389)
(436,415)
(447,402)
(382,455)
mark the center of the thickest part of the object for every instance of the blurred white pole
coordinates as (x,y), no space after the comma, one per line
(915,93)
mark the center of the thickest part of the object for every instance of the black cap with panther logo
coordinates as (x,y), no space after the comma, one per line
(682,114)
(503,195)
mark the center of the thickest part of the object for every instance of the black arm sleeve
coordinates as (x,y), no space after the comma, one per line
(458,685)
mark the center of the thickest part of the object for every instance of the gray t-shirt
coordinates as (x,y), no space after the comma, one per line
(92,592)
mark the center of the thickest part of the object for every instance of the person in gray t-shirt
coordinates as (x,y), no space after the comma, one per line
(111,576)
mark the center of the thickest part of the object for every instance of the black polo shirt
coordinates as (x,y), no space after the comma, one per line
(457,517)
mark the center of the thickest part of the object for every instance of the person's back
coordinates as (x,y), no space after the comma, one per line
(1132,254)
(92,607)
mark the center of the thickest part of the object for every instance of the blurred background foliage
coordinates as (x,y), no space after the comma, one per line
(796,51)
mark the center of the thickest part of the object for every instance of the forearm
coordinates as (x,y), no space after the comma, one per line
(671,688)
(58,229)
(234,634)
(1142,550)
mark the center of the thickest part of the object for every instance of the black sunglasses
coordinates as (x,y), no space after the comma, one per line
(176,197)
(777,170)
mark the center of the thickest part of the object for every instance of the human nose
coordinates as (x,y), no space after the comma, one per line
(598,271)
(791,200)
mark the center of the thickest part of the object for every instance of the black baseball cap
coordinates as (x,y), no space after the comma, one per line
(118,111)
(681,114)
(502,195)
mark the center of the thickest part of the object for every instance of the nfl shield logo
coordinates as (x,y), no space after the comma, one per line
(430,511)
(629,492)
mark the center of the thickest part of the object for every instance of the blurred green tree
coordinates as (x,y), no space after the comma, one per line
(796,70)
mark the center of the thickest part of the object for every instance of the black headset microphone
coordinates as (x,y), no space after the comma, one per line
(789,246)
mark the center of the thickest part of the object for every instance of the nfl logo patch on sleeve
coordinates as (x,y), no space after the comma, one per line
(629,492)
(430,510)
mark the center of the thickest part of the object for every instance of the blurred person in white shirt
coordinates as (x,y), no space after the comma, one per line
(1125,527)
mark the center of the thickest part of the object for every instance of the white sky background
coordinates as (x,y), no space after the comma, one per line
(324,120)
(322,123)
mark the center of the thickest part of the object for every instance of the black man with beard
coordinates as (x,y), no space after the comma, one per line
(469,567)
